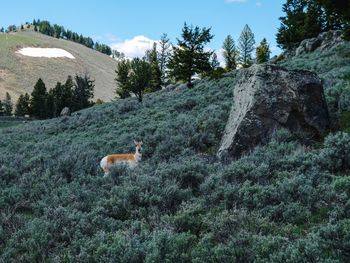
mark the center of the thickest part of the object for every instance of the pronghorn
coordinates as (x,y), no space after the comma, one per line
(129,159)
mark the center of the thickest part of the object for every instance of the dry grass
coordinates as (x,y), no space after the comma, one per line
(18,74)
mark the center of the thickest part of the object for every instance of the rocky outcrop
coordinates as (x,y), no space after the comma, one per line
(323,41)
(268,97)
(65,112)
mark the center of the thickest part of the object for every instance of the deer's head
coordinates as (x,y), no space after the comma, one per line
(138,147)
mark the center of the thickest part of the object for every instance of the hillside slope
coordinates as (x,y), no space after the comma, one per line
(18,73)
(281,203)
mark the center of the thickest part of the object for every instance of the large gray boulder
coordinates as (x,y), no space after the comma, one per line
(268,97)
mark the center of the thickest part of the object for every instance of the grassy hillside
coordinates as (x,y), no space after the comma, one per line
(282,203)
(18,73)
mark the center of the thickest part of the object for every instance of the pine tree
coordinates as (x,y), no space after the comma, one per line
(82,93)
(35,28)
(163,57)
(66,96)
(337,15)
(263,52)
(11,28)
(156,74)
(246,47)
(118,55)
(314,20)
(216,71)
(289,34)
(22,105)
(230,53)
(189,56)
(2,110)
(303,19)
(46,28)
(122,79)
(62,96)
(214,62)
(139,77)
(55,100)
(50,104)
(57,30)
(2,30)
(38,102)
(8,105)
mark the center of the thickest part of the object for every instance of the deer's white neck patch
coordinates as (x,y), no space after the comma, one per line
(45,52)
(138,157)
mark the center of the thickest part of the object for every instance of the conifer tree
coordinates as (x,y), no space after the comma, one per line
(50,104)
(82,93)
(230,53)
(62,96)
(139,77)
(2,110)
(38,102)
(122,79)
(156,74)
(189,56)
(163,57)
(214,62)
(66,96)
(263,52)
(22,105)
(8,105)
(337,15)
(314,20)
(57,30)
(303,19)
(216,71)
(246,44)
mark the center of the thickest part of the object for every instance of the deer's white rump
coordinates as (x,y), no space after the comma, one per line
(129,159)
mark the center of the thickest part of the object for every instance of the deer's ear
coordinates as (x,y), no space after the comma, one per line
(141,142)
(135,142)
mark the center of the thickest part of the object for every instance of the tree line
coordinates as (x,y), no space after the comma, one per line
(189,57)
(308,18)
(76,94)
(58,31)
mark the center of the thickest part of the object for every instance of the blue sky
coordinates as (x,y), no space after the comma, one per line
(132,25)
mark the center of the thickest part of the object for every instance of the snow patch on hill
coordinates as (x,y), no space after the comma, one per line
(45,52)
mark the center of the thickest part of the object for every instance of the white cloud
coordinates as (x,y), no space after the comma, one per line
(220,56)
(235,1)
(135,47)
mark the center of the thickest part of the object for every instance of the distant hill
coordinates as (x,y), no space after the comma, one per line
(19,73)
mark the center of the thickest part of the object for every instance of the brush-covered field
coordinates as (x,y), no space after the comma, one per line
(283,202)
